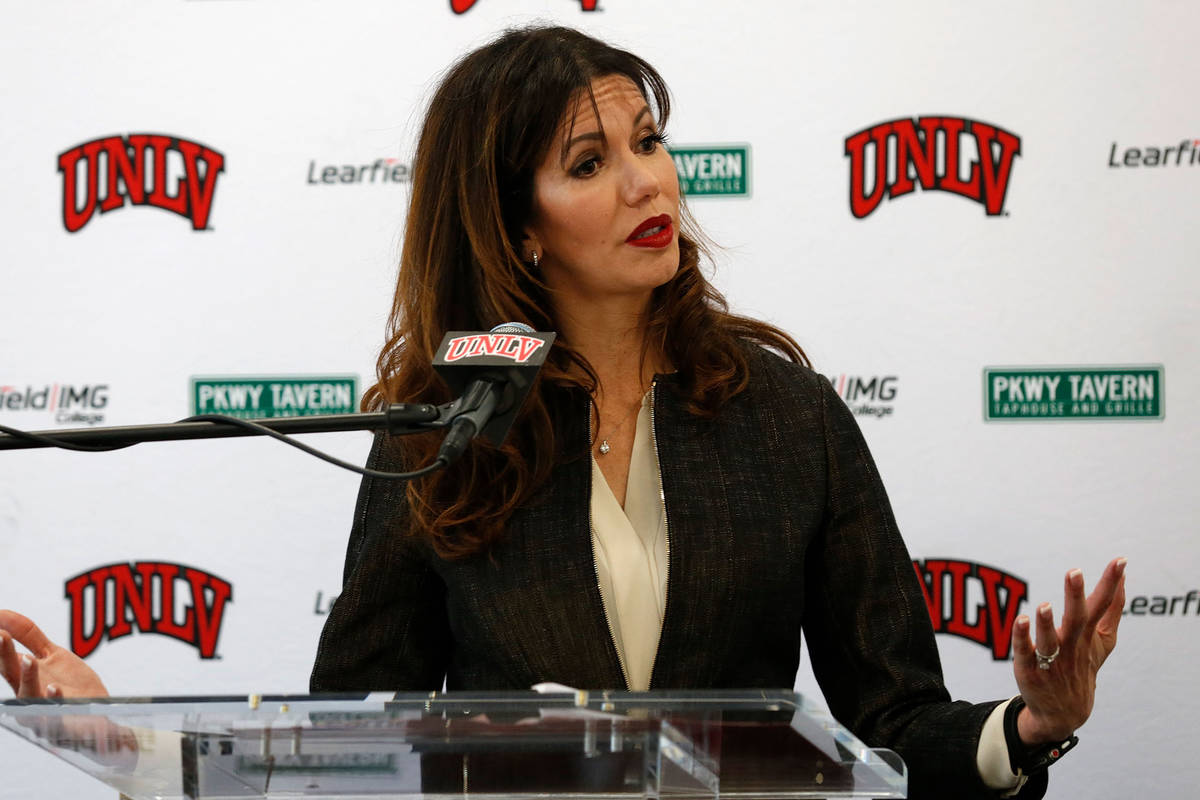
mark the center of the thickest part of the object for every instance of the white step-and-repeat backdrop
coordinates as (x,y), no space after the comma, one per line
(978,220)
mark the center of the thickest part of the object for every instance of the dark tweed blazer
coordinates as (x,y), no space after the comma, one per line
(777,522)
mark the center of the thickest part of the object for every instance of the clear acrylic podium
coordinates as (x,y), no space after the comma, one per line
(737,744)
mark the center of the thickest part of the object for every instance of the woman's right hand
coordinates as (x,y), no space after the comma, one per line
(47,670)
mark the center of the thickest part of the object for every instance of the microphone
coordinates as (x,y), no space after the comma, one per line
(493,373)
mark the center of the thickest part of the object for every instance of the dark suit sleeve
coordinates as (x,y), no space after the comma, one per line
(869,634)
(388,629)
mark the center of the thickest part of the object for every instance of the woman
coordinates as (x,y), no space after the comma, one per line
(675,503)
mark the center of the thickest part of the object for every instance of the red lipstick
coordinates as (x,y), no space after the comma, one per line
(655,232)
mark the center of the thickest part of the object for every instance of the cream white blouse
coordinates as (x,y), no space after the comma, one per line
(630,548)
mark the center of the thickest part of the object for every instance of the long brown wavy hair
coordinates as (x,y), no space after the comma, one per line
(490,123)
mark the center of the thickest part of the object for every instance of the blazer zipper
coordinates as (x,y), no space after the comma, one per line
(612,637)
(662,497)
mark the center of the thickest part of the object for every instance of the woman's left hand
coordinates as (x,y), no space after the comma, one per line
(1059,699)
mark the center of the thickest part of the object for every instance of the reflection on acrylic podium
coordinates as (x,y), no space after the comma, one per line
(737,744)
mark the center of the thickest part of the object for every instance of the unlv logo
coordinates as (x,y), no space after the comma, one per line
(504,345)
(135,169)
(930,150)
(462,6)
(947,585)
(109,602)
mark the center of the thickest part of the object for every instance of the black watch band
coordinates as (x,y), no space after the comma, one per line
(1023,759)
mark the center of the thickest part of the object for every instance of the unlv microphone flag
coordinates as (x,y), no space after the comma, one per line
(509,355)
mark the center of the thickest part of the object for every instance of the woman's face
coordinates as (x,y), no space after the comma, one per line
(605,218)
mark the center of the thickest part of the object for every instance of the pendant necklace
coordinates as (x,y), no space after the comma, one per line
(604,445)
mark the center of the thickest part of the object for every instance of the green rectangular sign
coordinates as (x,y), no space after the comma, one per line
(1073,393)
(264,398)
(717,170)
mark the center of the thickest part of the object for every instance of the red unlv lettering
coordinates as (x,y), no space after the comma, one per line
(135,169)
(928,149)
(946,584)
(143,596)
(504,345)
(462,6)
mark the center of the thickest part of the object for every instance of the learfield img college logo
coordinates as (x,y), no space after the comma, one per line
(59,403)
(1073,393)
(867,395)
(380,171)
(175,600)
(1187,154)
(154,169)
(1164,605)
(951,585)
(892,158)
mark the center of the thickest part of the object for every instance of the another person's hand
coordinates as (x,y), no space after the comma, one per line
(47,670)
(1057,675)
